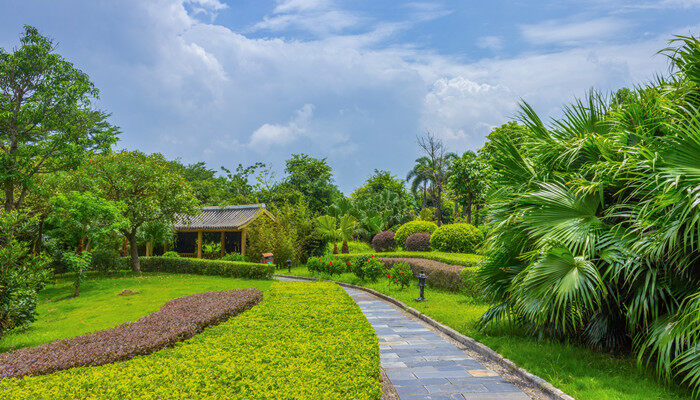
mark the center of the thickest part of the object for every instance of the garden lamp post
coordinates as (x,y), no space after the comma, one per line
(421,286)
(289,265)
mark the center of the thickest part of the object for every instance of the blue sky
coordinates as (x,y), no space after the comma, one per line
(231,82)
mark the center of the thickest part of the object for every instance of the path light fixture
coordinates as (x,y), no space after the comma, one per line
(289,265)
(421,285)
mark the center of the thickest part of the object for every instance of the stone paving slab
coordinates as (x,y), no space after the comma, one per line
(424,366)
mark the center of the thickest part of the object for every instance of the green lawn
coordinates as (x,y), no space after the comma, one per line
(303,341)
(99,307)
(583,373)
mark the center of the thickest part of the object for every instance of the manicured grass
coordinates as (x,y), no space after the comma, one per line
(582,373)
(467,260)
(303,341)
(99,307)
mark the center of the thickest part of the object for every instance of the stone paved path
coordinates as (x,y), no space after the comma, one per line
(424,366)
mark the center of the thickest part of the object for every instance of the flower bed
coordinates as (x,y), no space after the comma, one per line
(303,341)
(182,265)
(177,320)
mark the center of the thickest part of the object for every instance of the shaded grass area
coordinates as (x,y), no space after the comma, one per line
(303,341)
(99,305)
(583,373)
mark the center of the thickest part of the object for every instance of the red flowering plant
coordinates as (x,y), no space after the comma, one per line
(401,275)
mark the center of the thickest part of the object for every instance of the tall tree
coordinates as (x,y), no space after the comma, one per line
(437,168)
(418,176)
(46,122)
(468,181)
(312,177)
(148,189)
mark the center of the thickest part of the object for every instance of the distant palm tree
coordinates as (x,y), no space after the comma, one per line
(418,176)
(436,169)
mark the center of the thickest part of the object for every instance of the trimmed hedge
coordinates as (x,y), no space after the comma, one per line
(303,341)
(465,260)
(409,228)
(199,266)
(457,238)
(384,241)
(439,275)
(177,320)
(418,242)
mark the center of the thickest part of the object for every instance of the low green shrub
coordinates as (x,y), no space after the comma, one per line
(256,355)
(458,238)
(465,260)
(356,264)
(326,265)
(170,254)
(372,269)
(184,265)
(400,275)
(409,228)
(104,260)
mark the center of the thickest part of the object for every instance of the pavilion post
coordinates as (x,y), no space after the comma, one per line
(223,244)
(243,242)
(149,250)
(199,244)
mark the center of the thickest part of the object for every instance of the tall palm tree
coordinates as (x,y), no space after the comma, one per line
(436,169)
(419,176)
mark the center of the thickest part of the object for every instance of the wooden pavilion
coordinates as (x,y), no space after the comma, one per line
(224,225)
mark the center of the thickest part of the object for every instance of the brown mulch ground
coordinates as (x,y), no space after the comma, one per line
(177,320)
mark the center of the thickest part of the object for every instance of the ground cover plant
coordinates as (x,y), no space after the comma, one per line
(177,320)
(256,355)
(100,307)
(584,373)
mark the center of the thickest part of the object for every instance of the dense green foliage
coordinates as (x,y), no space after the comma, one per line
(456,238)
(596,223)
(465,260)
(46,122)
(183,265)
(255,355)
(409,228)
(400,274)
(22,273)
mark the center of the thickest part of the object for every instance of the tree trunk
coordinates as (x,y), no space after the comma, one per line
(476,215)
(134,250)
(77,283)
(425,200)
(9,196)
(469,208)
(438,204)
(81,243)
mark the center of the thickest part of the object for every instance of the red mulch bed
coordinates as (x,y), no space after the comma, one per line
(179,319)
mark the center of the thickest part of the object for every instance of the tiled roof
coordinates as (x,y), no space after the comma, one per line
(228,217)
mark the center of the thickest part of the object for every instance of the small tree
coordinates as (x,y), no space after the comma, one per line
(148,189)
(80,220)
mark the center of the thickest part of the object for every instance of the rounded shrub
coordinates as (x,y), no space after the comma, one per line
(409,228)
(384,241)
(170,254)
(372,269)
(456,238)
(400,275)
(418,242)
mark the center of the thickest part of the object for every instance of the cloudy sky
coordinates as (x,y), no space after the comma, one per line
(231,81)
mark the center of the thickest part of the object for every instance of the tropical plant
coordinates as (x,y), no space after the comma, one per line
(597,225)
(435,169)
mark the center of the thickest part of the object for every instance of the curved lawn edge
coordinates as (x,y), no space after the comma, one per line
(473,345)
(177,320)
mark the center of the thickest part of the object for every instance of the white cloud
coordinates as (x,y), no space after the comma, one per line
(570,33)
(280,135)
(494,43)
(320,17)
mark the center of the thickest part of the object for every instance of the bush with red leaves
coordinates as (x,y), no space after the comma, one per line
(179,319)
(418,242)
(384,241)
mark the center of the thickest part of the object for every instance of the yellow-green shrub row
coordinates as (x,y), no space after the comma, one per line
(303,341)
